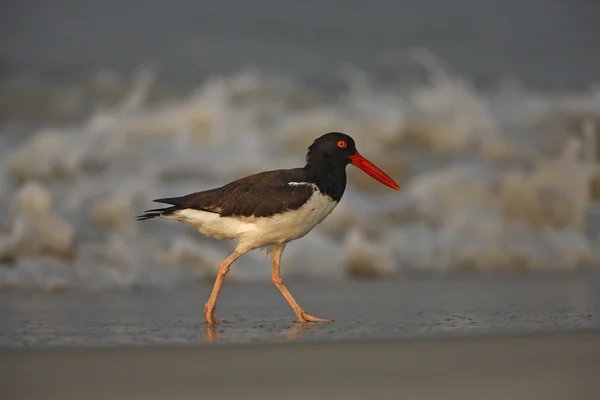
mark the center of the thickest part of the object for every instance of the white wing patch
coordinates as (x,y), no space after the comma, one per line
(303,184)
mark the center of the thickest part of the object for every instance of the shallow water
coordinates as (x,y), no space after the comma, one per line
(435,308)
(495,142)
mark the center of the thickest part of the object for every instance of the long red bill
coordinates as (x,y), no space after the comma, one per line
(374,172)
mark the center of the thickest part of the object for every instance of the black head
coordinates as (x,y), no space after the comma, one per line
(331,149)
(329,155)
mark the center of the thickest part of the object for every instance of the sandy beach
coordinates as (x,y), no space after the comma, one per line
(542,366)
(461,337)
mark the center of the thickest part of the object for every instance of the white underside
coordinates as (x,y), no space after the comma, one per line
(254,232)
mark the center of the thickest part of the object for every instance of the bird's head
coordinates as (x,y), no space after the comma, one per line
(338,149)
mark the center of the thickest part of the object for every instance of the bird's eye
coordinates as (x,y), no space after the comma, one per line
(342,144)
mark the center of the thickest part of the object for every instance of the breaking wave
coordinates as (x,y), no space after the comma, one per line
(504,178)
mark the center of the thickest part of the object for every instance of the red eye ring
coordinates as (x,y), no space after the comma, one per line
(342,144)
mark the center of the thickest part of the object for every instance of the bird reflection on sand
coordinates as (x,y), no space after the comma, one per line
(210,333)
(295,332)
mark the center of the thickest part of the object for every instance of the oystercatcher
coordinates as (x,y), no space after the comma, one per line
(271,208)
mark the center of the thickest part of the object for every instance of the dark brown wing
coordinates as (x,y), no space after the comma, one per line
(260,195)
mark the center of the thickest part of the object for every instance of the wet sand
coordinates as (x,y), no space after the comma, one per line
(540,366)
(462,337)
(256,312)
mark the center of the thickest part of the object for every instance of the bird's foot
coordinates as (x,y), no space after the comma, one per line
(210,315)
(305,317)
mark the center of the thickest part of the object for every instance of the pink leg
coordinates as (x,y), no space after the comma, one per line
(302,315)
(209,308)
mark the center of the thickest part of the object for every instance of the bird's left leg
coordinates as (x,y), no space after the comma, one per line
(209,308)
(302,315)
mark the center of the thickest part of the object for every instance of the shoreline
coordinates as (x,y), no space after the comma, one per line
(258,313)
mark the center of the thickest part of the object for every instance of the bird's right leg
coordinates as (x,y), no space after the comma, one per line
(210,314)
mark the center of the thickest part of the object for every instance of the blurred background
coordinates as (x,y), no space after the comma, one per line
(487,113)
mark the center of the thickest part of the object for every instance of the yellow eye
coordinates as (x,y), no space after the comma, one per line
(342,144)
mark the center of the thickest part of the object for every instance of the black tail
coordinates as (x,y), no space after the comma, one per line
(156,213)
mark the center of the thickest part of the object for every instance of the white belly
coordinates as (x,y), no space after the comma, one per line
(212,224)
(254,232)
(290,225)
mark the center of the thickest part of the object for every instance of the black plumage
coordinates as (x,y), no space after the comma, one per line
(260,195)
(272,192)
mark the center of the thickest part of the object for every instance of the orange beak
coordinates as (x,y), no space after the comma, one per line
(374,172)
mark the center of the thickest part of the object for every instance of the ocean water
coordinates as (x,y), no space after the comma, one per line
(487,115)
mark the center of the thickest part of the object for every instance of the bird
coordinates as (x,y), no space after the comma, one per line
(270,209)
